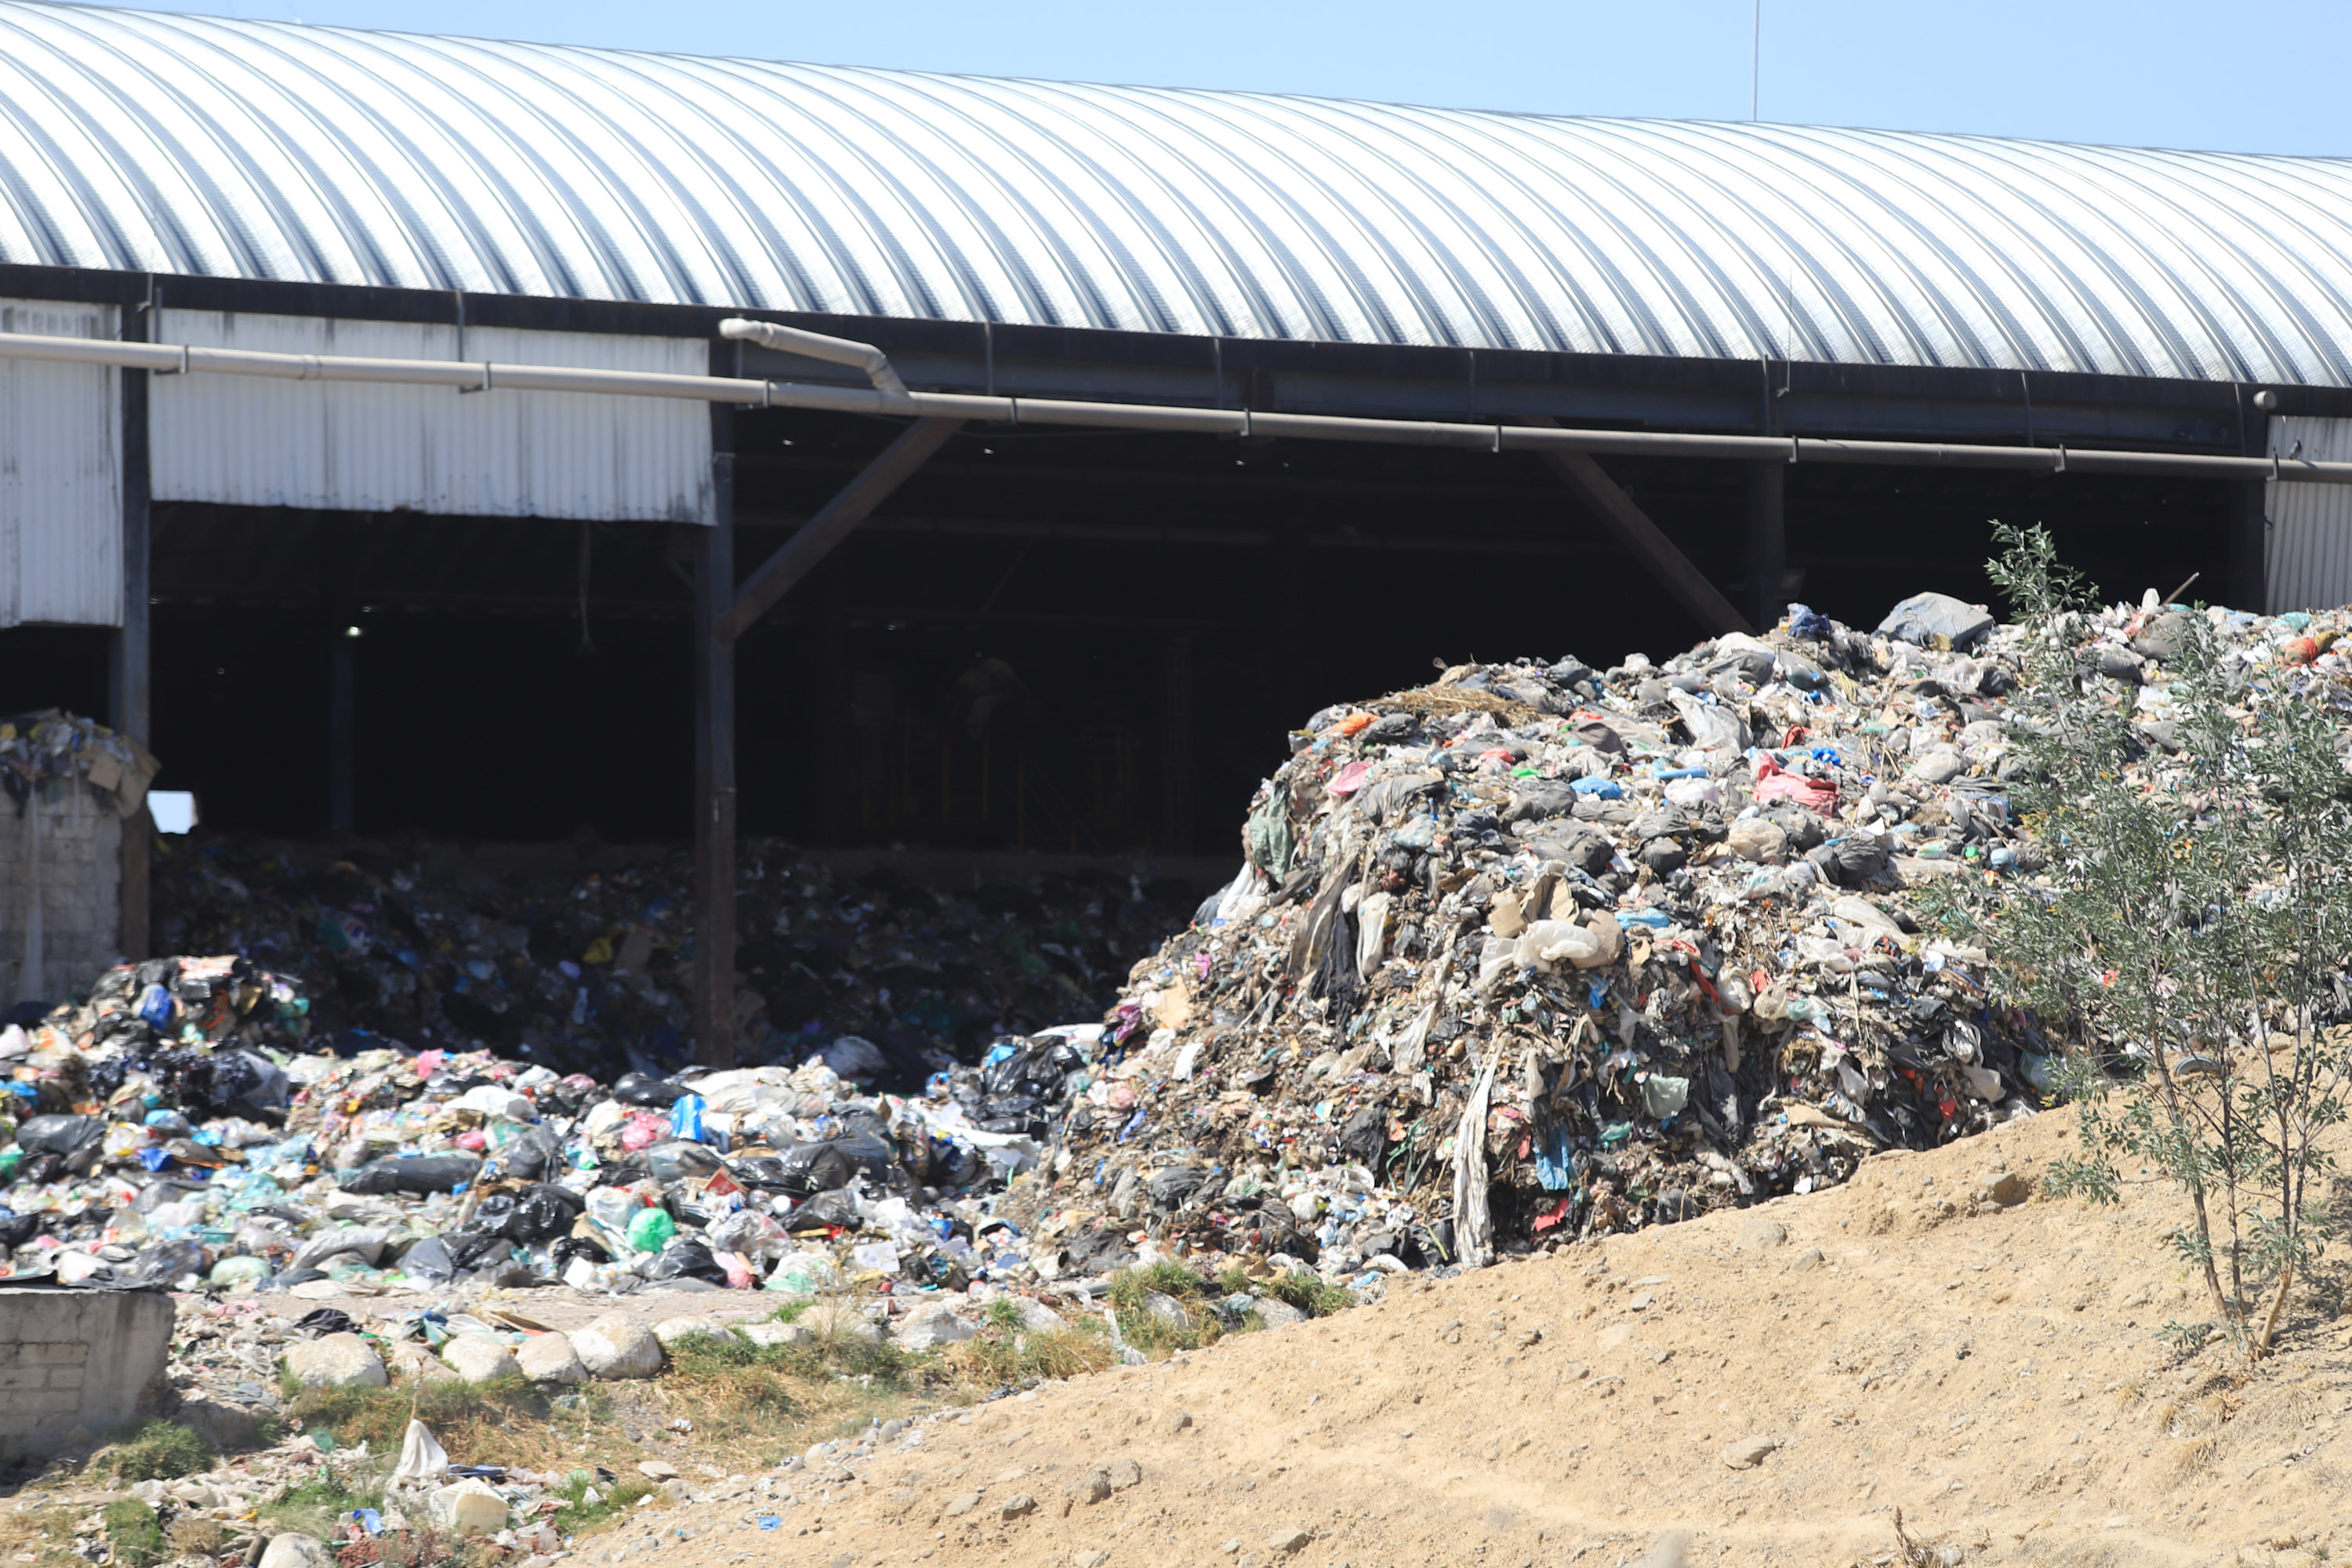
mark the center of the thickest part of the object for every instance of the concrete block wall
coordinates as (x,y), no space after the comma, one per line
(74,1364)
(60,891)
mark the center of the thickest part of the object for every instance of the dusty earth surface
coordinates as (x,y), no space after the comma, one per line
(1764,1386)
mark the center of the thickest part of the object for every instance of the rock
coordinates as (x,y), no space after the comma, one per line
(1091,1488)
(669,1330)
(1277,1313)
(336,1361)
(223,1428)
(931,1326)
(1178,1421)
(479,1358)
(676,1491)
(1091,1559)
(469,1507)
(961,1504)
(2006,1188)
(295,1550)
(657,1469)
(1168,1310)
(1288,1539)
(1125,1474)
(768,1335)
(413,1362)
(1018,1504)
(550,1358)
(1807,1260)
(616,1346)
(1761,1235)
(1749,1452)
(1038,1318)
(1757,839)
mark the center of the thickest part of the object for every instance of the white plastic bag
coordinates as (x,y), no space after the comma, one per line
(421,1456)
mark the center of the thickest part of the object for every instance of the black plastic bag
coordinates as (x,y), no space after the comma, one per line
(572,1246)
(527,1156)
(688,1256)
(643,1088)
(681,1159)
(418,1173)
(67,1136)
(836,1208)
(324,1321)
(545,1212)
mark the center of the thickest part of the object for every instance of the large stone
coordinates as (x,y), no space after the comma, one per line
(669,1330)
(1091,1488)
(1289,1541)
(1749,1452)
(550,1358)
(1761,1235)
(1277,1313)
(469,1507)
(617,1346)
(1038,1318)
(767,1335)
(2004,1187)
(295,1550)
(479,1358)
(411,1363)
(1167,1310)
(930,1326)
(336,1361)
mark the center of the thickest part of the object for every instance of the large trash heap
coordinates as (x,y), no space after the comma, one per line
(1532,953)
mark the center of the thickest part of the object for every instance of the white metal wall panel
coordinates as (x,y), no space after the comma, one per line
(2309,562)
(351,447)
(60,476)
(193,145)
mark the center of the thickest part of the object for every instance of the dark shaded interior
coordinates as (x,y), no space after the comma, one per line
(1062,640)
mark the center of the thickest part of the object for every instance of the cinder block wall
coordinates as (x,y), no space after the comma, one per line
(60,891)
(74,1364)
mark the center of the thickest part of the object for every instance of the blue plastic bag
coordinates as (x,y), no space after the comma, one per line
(685,1118)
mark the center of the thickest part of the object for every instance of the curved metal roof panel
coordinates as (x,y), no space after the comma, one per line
(176,144)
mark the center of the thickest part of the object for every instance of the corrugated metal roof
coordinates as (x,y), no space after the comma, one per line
(178,145)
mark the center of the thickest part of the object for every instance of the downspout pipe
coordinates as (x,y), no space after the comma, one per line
(895,400)
(816,345)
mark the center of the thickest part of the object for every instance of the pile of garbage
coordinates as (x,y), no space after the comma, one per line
(181,1127)
(580,961)
(50,747)
(1539,951)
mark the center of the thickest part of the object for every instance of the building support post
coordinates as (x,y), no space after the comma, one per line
(342,724)
(130,660)
(714,756)
(1768,543)
(1176,806)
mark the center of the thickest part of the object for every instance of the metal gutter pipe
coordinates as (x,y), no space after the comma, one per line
(895,400)
(816,345)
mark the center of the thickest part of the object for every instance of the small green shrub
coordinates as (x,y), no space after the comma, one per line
(160,1450)
(1311,1293)
(134,1532)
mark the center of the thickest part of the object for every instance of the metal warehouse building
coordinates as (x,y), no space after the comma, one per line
(1110,507)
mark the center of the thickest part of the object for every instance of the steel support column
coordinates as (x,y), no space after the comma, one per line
(1768,543)
(129,657)
(714,757)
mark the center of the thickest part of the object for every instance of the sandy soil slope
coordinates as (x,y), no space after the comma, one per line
(1759,1387)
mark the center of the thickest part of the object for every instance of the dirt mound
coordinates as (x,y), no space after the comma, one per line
(1758,1386)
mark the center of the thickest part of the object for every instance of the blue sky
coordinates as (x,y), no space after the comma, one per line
(2150,72)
